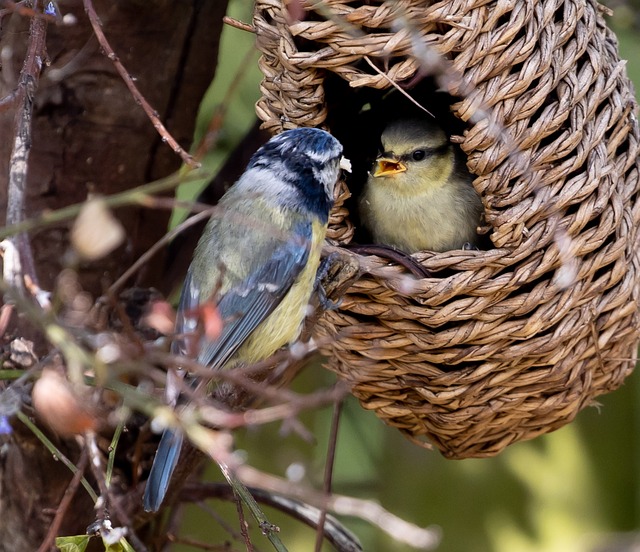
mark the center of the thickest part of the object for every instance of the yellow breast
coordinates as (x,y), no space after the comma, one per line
(284,324)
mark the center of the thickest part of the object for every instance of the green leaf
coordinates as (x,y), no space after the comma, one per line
(76,543)
(121,546)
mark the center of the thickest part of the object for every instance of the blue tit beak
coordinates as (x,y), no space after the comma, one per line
(387,166)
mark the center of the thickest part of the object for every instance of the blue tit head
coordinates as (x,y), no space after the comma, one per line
(300,167)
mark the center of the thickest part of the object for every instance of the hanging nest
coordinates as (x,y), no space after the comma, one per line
(507,343)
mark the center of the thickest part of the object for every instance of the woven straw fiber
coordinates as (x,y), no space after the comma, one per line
(512,342)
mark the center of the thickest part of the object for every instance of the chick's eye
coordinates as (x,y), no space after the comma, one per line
(418,155)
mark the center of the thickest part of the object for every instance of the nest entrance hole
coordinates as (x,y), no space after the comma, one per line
(357,117)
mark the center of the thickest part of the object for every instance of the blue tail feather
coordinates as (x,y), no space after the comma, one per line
(163,465)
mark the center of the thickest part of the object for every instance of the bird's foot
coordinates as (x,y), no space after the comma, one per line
(323,271)
(338,270)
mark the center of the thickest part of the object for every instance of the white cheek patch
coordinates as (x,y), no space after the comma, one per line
(261,180)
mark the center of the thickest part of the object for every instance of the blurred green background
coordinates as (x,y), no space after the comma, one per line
(577,489)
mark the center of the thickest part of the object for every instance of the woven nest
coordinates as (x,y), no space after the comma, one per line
(494,346)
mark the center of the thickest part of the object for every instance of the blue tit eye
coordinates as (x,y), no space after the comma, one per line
(418,155)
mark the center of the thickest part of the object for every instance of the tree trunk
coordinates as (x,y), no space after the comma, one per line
(90,136)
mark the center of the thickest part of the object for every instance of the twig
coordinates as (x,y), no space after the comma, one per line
(157,246)
(113,446)
(237,24)
(335,532)
(5,317)
(11,265)
(217,446)
(396,86)
(244,526)
(137,95)
(47,543)
(422,538)
(294,403)
(91,447)
(267,528)
(104,503)
(328,470)
(137,196)
(19,160)
(55,451)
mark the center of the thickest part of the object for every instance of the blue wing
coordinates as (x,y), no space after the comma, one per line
(245,306)
(242,309)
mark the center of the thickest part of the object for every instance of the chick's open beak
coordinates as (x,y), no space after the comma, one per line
(386,167)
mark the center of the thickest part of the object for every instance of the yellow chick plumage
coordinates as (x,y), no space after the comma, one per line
(419,194)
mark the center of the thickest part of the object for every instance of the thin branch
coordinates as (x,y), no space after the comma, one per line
(267,528)
(19,160)
(396,86)
(244,526)
(55,451)
(91,447)
(5,317)
(237,24)
(47,543)
(217,446)
(137,95)
(157,247)
(335,532)
(291,403)
(137,196)
(422,538)
(105,527)
(113,447)
(11,264)
(328,470)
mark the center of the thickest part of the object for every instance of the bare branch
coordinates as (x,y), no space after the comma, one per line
(334,531)
(137,95)
(47,543)
(19,160)
(328,470)
(422,538)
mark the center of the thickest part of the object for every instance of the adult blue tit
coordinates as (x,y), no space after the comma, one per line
(419,194)
(257,260)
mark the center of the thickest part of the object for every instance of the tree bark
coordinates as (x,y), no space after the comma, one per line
(90,136)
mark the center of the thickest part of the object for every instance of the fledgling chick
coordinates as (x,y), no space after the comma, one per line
(257,260)
(419,195)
